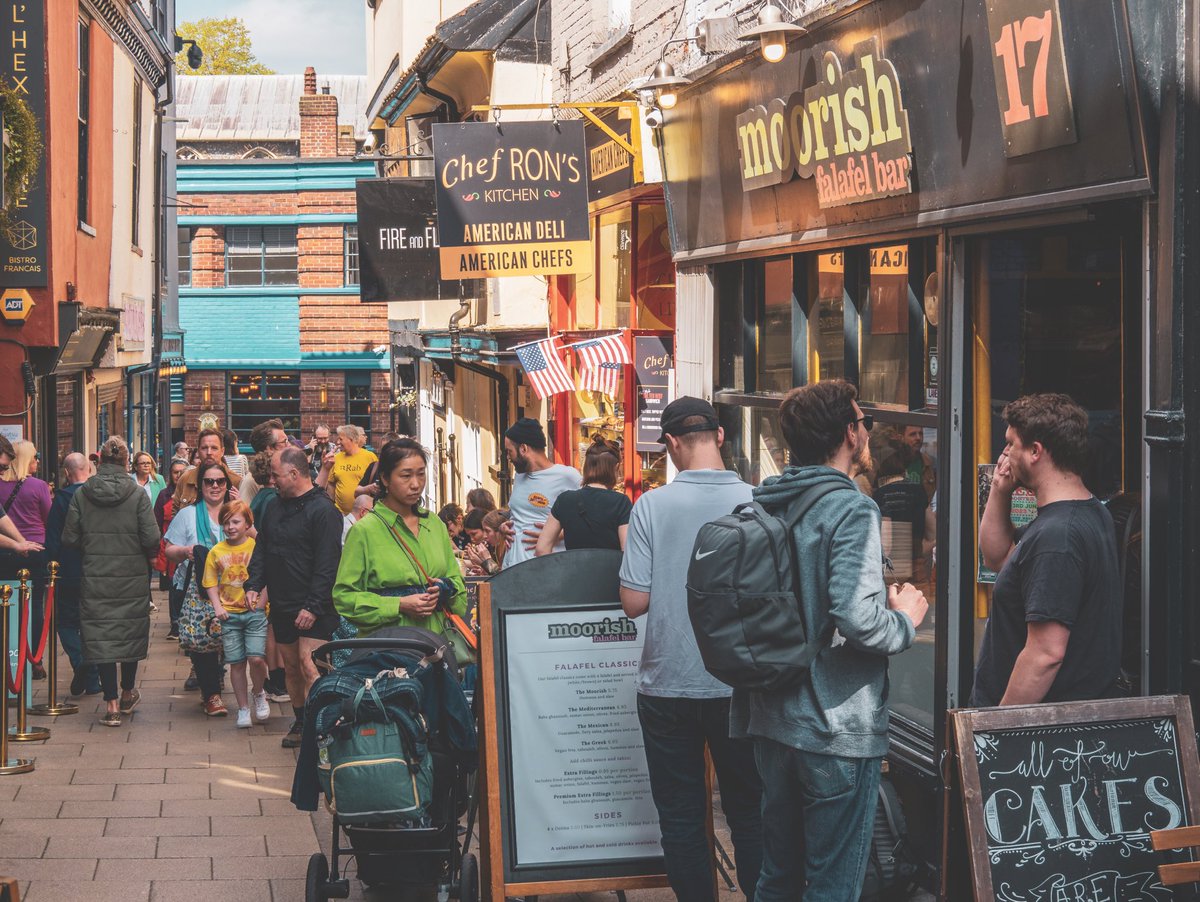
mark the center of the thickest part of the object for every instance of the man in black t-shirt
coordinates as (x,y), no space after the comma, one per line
(1054,634)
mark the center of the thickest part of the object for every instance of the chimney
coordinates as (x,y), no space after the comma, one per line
(318,120)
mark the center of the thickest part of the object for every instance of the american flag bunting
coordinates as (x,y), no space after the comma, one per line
(544,367)
(601,361)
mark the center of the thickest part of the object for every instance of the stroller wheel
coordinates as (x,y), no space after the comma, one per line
(468,880)
(318,877)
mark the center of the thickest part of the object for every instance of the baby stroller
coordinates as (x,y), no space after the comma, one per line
(391,723)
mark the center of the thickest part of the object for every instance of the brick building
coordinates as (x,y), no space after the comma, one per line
(268,257)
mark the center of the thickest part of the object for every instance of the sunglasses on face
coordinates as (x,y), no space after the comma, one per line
(867,420)
(214,483)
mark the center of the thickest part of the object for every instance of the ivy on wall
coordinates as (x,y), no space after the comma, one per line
(23,151)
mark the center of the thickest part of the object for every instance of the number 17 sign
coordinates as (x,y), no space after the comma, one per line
(1031,75)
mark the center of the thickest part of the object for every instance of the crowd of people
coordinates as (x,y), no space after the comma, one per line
(267,557)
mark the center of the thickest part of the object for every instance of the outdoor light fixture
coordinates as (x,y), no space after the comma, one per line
(665,84)
(207,393)
(324,394)
(772,33)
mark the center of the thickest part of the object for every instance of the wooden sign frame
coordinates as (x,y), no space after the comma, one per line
(576,569)
(965,723)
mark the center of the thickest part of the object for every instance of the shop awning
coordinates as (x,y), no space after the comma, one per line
(480,347)
(84,334)
(455,65)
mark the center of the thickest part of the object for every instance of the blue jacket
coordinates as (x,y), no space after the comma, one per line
(70,561)
(842,708)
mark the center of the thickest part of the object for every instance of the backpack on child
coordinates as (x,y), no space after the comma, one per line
(741,585)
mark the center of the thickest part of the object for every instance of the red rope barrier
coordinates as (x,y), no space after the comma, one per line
(14,683)
(47,618)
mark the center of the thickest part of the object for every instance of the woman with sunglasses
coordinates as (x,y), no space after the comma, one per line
(26,498)
(193,531)
(145,473)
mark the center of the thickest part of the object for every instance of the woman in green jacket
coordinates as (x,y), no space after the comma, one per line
(399,546)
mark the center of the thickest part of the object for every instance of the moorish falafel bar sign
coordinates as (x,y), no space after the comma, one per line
(512,199)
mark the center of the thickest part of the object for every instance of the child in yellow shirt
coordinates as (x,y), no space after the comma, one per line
(243,625)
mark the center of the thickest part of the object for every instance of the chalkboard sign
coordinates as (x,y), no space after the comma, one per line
(1060,799)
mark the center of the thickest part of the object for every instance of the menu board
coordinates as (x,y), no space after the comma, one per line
(577,754)
(653,360)
(1061,799)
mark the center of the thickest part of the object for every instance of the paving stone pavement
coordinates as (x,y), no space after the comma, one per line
(172,805)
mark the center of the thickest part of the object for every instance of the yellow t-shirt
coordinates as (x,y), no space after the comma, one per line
(346,474)
(228,567)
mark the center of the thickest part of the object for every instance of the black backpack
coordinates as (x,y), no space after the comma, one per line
(741,587)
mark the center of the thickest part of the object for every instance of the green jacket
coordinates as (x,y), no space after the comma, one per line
(111,521)
(372,559)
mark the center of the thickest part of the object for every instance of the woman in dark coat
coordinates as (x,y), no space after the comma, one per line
(111,521)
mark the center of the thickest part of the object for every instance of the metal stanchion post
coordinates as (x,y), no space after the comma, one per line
(22,732)
(8,765)
(52,707)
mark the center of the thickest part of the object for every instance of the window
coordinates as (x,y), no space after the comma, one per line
(350,255)
(358,401)
(254,397)
(188,153)
(185,256)
(84,112)
(775,327)
(616,268)
(260,255)
(137,157)
(258,153)
(827,318)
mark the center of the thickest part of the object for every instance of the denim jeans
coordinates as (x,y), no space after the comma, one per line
(676,731)
(108,678)
(72,644)
(818,812)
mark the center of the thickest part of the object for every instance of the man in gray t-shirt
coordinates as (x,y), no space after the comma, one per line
(682,708)
(535,487)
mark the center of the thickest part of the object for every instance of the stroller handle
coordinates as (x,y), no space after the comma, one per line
(420,646)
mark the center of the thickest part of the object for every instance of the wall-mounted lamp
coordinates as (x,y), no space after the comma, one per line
(772,33)
(324,394)
(665,84)
(207,393)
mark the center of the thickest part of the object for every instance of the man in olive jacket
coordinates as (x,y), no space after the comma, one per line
(111,521)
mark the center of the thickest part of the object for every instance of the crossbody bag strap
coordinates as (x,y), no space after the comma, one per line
(404,545)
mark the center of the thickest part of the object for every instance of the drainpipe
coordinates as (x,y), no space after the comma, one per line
(464,307)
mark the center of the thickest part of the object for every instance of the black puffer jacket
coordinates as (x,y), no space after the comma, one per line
(297,552)
(112,522)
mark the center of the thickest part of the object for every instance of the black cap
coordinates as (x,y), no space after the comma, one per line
(527,431)
(682,409)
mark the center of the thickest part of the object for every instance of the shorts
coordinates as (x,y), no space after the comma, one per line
(284,625)
(244,635)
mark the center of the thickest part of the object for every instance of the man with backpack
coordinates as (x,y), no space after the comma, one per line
(819,741)
(682,708)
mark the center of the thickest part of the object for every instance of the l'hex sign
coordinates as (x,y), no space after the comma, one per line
(15,304)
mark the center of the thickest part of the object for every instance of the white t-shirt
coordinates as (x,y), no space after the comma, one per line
(533,495)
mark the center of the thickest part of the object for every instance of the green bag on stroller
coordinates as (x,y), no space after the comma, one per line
(380,768)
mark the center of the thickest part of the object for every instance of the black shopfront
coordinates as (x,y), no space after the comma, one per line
(953,203)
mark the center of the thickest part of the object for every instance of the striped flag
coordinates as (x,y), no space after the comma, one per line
(601,361)
(544,367)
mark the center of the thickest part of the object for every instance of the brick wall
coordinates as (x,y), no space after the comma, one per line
(333,412)
(193,400)
(341,323)
(322,256)
(66,417)
(208,257)
(318,125)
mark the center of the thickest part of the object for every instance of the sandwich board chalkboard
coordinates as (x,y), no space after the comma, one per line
(1060,799)
(565,791)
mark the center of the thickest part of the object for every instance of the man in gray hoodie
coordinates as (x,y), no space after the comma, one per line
(819,746)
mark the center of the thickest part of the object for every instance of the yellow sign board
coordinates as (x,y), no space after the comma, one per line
(15,303)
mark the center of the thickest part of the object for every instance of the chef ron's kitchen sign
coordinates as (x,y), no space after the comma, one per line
(512,199)
(848,132)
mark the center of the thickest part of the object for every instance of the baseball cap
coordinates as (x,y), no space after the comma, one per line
(682,409)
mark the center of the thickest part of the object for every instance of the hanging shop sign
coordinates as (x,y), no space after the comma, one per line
(610,166)
(889,112)
(653,360)
(23,67)
(398,242)
(567,807)
(848,132)
(1060,799)
(512,199)
(1032,86)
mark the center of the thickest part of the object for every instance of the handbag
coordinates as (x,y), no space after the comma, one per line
(199,628)
(454,629)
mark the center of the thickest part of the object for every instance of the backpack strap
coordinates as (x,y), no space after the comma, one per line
(791,520)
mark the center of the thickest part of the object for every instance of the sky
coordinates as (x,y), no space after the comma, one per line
(288,35)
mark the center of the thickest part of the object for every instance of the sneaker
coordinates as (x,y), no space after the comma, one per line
(111,718)
(191,683)
(276,693)
(129,702)
(292,739)
(243,718)
(153,608)
(79,682)
(214,707)
(262,709)
(173,634)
